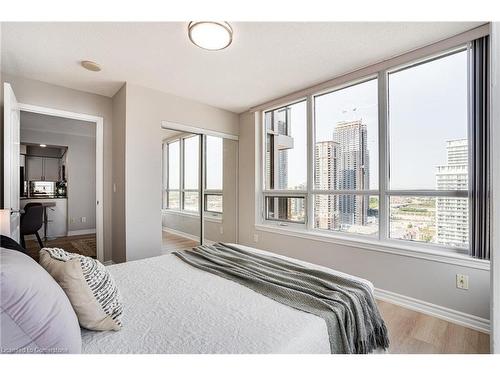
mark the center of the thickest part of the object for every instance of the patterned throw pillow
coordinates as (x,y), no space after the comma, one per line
(89,287)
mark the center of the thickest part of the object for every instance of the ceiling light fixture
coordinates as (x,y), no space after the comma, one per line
(90,65)
(43,145)
(210,35)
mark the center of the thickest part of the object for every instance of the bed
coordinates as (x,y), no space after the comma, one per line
(172,307)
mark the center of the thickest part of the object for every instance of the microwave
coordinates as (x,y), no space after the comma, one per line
(42,188)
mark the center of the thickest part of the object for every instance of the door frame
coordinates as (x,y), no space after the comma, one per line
(99,168)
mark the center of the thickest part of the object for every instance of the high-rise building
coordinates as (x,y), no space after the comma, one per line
(452,214)
(325,178)
(351,136)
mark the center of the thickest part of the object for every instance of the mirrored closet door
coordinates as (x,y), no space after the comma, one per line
(199,189)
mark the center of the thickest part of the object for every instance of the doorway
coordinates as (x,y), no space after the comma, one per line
(14,186)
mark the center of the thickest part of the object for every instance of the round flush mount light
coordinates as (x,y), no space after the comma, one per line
(90,65)
(210,35)
(43,145)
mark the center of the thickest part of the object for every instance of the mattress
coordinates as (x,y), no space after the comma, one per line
(172,307)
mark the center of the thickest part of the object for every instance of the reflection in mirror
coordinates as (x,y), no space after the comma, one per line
(181,189)
(220,221)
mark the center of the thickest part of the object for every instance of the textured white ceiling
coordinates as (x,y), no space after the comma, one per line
(266,60)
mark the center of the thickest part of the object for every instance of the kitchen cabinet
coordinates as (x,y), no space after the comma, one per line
(51,169)
(34,168)
(42,169)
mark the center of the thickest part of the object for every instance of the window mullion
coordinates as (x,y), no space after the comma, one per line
(181,174)
(310,163)
(383,139)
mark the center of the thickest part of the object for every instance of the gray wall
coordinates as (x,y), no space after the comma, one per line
(80,172)
(118,180)
(33,92)
(426,280)
(145,109)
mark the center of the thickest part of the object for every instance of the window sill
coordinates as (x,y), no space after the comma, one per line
(213,219)
(385,247)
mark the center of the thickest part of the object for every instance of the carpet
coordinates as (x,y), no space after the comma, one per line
(85,246)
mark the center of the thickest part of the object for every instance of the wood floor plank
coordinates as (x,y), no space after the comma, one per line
(411,332)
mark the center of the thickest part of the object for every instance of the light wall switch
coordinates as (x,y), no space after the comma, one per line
(255,237)
(221,229)
(114,188)
(462,281)
(72,220)
(84,219)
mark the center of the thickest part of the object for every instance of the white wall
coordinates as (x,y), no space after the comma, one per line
(422,279)
(80,172)
(145,109)
(33,92)
(495,122)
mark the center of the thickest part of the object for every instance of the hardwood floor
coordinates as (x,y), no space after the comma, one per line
(71,244)
(412,332)
(171,242)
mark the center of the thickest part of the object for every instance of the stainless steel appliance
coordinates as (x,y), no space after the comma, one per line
(42,189)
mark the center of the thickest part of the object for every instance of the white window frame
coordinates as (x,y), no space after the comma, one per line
(384,192)
(207,192)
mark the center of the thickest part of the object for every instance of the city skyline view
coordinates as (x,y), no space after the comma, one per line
(427,150)
(443,96)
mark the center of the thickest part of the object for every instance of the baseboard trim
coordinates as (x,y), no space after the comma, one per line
(80,232)
(441,312)
(108,262)
(187,235)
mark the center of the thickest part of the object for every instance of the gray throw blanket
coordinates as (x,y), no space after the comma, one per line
(352,318)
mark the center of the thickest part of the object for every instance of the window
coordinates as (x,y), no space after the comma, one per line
(412,185)
(191,173)
(172,191)
(346,159)
(286,147)
(181,174)
(214,174)
(428,151)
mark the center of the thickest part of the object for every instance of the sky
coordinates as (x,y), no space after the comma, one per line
(427,107)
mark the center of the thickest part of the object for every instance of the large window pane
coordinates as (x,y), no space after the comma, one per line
(428,125)
(173,165)
(346,138)
(290,209)
(191,199)
(213,203)
(437,220)
(347,213)
(214,163)
(173,200)
(286,142)
(191,162)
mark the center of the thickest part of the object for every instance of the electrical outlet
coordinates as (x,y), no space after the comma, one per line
(462,281)
(72,220)
(221,229)
(255,237)
(84,219)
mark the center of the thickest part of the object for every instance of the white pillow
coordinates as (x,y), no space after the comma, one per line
(89,287)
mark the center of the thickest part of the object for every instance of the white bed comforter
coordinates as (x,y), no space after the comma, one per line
(172,307)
